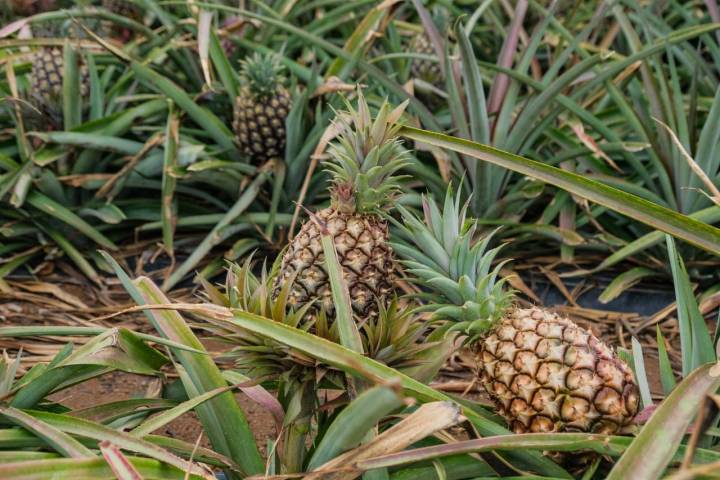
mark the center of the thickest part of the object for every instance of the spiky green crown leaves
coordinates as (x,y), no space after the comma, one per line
(253,354)
(262,73)
(398,337)
(365,157)
(442,253)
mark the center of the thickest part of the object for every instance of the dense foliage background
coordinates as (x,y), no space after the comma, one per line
(588,132)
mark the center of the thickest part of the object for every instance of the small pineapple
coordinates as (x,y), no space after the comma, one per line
(261,108)
(421,68)
(46,84)
(125,8)
(363,162)
(544,372)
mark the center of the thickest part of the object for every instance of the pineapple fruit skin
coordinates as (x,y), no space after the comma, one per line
(422,69)
(363,250)
(46,81)
(260,123)
(547,374)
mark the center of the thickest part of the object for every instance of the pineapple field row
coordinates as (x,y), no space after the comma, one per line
(378,239)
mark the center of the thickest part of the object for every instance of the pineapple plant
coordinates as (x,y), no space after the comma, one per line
(398,337)
(544,372)
(261,108)
(363,163)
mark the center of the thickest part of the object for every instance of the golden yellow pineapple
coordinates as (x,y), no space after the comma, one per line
(547,374)
(261,108)
(544,372)
(363,163)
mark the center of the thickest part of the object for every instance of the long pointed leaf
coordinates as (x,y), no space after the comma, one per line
(694,232)
(653,449)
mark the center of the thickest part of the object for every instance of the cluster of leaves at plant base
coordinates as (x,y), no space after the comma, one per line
(150,152)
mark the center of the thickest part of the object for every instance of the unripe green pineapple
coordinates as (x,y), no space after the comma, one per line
(46,84)
(421,68)
(544,372)
(261,109)
(363,162)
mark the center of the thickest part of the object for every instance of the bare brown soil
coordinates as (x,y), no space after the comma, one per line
(117,386)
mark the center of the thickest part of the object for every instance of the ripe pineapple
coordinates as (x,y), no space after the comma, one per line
(46,84)
(124,8)
(363,163)
(426,70)
(544,372)
(261,108)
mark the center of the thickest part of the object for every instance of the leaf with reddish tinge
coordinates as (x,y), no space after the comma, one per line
(259,395)
(120,465)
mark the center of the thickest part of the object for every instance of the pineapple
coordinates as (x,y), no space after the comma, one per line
(261,108)
(124,8)
(544,372)
(423,69)
(363,164)
(46,84)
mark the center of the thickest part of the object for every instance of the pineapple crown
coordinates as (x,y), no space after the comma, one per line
(262,73)
(245,291)
(442,253)
(365,157)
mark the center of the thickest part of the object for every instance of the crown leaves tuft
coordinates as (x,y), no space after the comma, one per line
(262,73)
(442,253)
(398,337)
(366,156)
